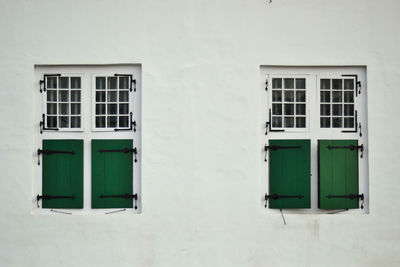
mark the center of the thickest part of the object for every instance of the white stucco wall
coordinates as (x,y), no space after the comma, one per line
(202,134)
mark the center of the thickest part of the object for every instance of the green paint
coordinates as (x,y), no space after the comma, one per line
(338,174)
(289,174)
(63,174)
(112,174)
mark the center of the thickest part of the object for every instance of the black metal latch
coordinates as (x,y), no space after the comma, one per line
(50,152)
(277,196)
(275,147)
(47,197)
(42,125)
(350,196)
(351,147)
(125,150)
(126,196)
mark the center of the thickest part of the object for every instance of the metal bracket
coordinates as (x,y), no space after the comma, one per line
(358,83)
(277,196)
(43,127)
(350,196)
(132,125)
(359,126)
(44,81)
(123,150)
(269,126)
(132,81)
(355,124)
(266,84)
(47,197)
(50,152)
(126,196)
(351,147)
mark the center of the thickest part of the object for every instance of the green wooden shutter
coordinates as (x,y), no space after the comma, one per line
(63,174)
(112,174)
(289,174)
(338,174)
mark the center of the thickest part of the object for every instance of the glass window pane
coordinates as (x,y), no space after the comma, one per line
(51,108)
(51,121)
(76,96)
(51,95)
(64,81)
(289,96)
(277,122)
(100,109)
(123,96)
(75,122)
(124,82)
(100,83)
(75,108)
(112,109)
(300,122)
(276,109)
(123,121)
(325,96)
(336,96)
(348,123)
(325,84)
(123,108)
(348,84)
(325,122)
(276,96)
(301,83)
(51,82)
(100,96)
(300,109)
(112,121)
(276,83)
(325,109)
(75,82)
(348,97)
(289,122)
(337,110)
(289,83)
(100,122)
(112,96)
(111,82)
(349,110)
(337,122)
(301,96)
(336,84)
(63,96)
(64,122)
(63,109)
(289,109)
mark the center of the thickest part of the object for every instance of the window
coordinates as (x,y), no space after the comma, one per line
(88,141)
(315,146)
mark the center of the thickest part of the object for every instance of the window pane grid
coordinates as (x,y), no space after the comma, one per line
(112,102)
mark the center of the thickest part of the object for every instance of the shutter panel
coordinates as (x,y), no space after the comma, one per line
(112,174)
(338,174)
(63,174)
(289,174)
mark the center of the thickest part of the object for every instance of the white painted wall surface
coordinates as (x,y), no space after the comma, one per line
(202,130)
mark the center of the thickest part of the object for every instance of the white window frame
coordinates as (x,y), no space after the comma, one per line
(315,132)
(87,133)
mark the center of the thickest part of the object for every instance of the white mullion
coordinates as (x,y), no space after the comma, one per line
(117,100)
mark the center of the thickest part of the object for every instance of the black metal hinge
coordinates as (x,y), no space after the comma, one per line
(355,124)
(275,147)
(42,125)
(277,196)
(132,81)
(351,147)
(358,83)
(126,196)
(50,152)
(47,197)
(43,82)
(132,125)
(123,150)
(266,84)
(268,125)
(350,196)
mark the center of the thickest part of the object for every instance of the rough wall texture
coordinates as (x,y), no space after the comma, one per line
(201,130)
